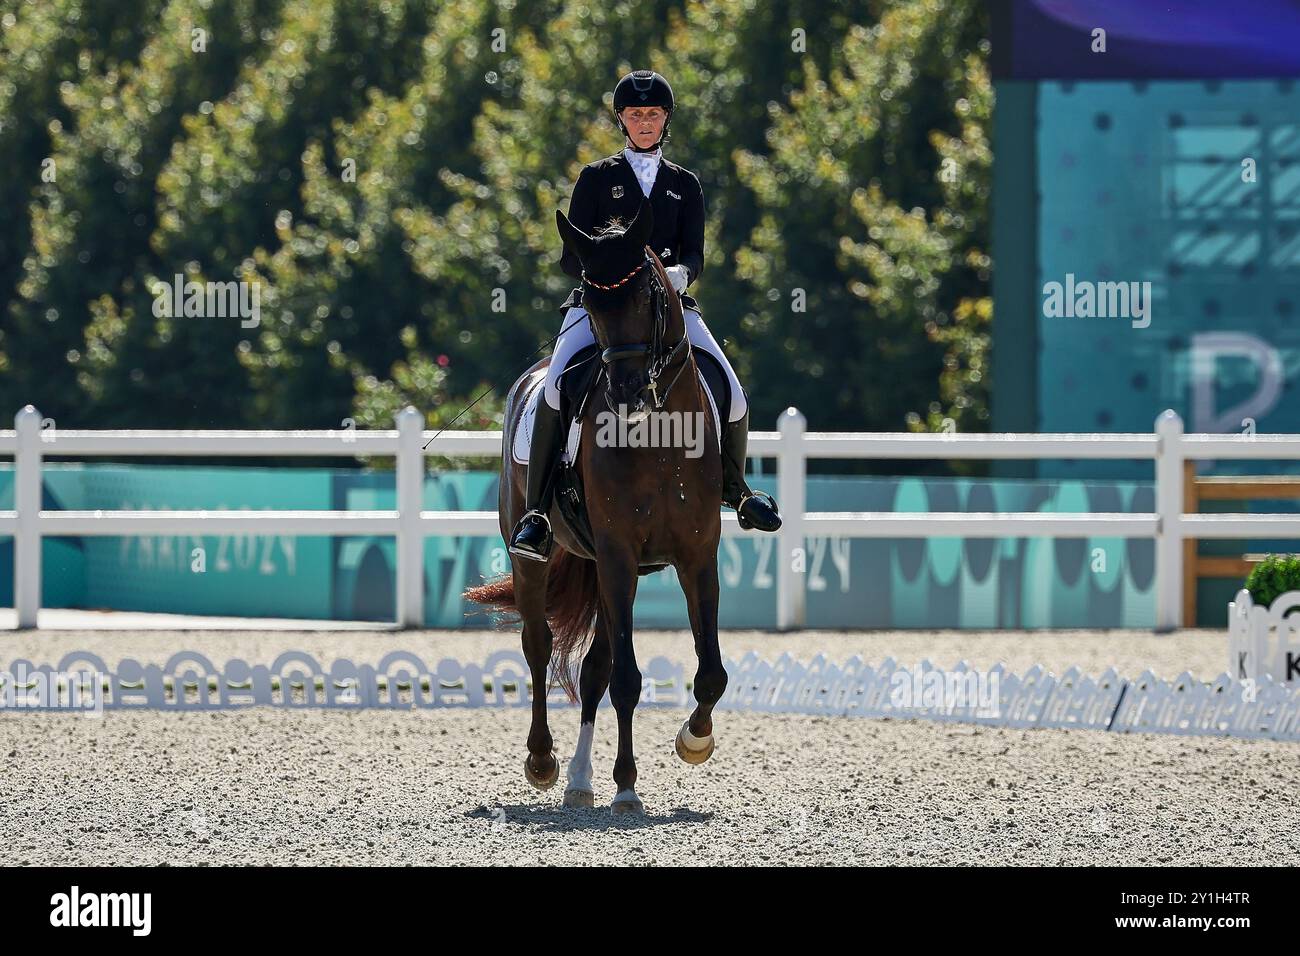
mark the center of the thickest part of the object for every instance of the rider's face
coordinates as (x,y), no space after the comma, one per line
(644,124)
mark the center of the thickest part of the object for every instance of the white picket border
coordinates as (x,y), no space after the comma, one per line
(1264,641)
(189,681)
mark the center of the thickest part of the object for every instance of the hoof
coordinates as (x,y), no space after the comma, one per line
(542,781)
(579,798)
(627,806)
(686,753)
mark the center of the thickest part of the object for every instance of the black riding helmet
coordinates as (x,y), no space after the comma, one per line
(643,88)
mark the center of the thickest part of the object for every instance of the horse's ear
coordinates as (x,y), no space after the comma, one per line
(642,225)
(574,238)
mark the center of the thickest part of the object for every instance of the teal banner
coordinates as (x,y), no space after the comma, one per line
(852,583)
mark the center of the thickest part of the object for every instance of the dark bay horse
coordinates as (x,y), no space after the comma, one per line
(649,507)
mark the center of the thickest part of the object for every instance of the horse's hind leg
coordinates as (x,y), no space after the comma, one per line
(540,767)
(592,682)
(618,581)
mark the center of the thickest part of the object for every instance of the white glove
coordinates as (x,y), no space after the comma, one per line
(678,276)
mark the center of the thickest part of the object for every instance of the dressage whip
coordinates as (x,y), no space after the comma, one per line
(502,382)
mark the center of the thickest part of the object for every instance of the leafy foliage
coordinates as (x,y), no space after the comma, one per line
(1272,577)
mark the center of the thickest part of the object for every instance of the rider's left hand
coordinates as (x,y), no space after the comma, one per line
(677,275)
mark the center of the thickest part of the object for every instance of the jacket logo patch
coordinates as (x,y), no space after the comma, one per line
(673,194)
(617,192)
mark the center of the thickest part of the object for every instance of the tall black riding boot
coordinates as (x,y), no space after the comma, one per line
(532,535)
(754,509)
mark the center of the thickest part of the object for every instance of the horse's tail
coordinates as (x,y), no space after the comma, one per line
(571,601)
(497,595)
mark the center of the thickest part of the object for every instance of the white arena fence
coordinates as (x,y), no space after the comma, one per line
(189,681)
(791,445)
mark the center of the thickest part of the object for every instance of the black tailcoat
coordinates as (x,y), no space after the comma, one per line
(609,188)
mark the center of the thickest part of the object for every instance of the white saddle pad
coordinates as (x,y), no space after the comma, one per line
(524,433)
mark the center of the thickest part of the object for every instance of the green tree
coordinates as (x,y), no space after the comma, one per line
(387,175)
(861,227)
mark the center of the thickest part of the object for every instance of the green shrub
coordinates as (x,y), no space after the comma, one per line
(1274,576)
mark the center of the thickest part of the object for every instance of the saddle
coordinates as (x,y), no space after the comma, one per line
(578,384)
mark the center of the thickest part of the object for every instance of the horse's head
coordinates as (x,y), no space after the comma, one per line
(619,284)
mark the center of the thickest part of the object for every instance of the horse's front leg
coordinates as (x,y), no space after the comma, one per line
(592,683)
(699,581)
(618,580)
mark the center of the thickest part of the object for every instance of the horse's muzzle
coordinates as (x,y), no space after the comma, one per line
(631,413)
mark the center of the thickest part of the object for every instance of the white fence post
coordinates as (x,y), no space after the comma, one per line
(410,502)
(791,594)
(1169,532)
(27,503)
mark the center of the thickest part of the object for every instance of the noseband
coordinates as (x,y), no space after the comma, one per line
(657,360)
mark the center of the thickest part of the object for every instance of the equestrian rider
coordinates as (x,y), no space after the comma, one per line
(614,186)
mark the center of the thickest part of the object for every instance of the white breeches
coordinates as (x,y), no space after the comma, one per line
(579,335)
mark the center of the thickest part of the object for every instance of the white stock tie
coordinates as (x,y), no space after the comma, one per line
(646,167)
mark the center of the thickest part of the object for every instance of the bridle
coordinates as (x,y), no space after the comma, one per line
(658,360)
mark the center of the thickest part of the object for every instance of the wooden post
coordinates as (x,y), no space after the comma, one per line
(1224,488)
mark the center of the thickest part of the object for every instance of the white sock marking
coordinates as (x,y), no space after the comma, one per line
(580,765)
